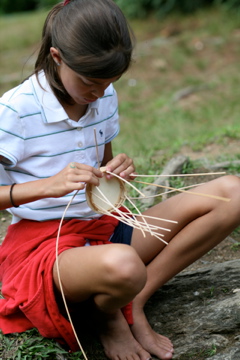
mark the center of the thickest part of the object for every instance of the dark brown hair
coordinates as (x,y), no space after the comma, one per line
(93,38)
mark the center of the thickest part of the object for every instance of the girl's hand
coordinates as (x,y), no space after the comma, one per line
(121,165)
(73,177)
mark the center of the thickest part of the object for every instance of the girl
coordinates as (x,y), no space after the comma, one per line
(47,153)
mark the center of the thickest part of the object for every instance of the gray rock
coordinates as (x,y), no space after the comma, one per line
(174,166)
(200,312)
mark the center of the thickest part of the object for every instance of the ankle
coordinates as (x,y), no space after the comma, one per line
(138,306)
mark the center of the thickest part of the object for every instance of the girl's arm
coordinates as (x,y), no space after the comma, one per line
(21,193)
(108,155)
(73,177)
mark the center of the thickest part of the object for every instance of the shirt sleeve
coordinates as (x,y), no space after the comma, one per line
(11,134)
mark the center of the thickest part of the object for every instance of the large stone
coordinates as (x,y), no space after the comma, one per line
(200,312)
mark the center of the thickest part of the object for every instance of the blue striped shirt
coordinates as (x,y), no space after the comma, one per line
(38,139)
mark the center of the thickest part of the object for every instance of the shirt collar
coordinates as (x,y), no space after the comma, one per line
(51,108)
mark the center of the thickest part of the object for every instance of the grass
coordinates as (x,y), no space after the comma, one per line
(236,246)
(22,34)
(200,355)
(30,345)
(182,92)
(151,118)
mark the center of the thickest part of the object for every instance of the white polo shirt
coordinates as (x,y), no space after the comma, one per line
(37,140)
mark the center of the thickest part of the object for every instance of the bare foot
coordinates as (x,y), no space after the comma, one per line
(152,342)
(118,341)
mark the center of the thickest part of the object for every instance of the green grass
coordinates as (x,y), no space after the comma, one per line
(236,246)
(151,119)
(200,355)
(22,35)
(31,346)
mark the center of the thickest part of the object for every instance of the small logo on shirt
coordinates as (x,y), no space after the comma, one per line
(101,133)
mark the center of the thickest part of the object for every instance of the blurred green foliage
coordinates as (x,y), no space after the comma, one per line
(45,4)
(132,9)
(141,8)
(7,6)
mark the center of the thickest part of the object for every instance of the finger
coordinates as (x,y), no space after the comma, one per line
(121,165)
(127,172)
(83,177)
(133,175)
(72,165)
(126,168)
(82,167)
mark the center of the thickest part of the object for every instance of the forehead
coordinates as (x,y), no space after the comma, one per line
(100,81)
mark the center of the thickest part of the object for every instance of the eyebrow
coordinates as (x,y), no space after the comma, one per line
(94,82)
(98,83)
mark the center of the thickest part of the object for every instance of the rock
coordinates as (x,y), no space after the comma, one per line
(200,312)
(185,92)
(174,166)
(223,165)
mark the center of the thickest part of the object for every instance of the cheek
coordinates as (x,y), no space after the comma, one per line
(65,81)
(72,87)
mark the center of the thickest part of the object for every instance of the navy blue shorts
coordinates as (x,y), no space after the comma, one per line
(122,234)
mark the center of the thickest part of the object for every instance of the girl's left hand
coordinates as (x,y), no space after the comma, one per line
(121,165)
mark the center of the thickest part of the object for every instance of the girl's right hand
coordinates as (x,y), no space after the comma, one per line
(73,177)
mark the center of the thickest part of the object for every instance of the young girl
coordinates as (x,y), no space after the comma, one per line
(47,153)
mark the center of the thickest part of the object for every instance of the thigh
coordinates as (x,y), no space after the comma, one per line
(183,208)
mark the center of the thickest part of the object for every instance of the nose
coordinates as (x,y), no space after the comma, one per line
(98,92)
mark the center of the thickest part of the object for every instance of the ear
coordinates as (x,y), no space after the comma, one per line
(55,55)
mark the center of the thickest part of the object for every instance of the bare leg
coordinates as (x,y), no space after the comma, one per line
(202,224)
(113,275)
(110,275)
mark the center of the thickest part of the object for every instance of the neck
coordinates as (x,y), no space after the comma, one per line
(76,111)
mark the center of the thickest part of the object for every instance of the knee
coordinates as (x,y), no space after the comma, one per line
(125,269)
(231,187)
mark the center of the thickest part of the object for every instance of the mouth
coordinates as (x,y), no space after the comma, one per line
(90,100)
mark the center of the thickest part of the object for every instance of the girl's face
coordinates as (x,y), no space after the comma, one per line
(83,90)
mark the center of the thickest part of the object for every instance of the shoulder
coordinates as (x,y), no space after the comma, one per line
(16,99)
(22,89)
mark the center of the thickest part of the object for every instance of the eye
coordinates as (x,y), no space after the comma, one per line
(85,81)
(86,84)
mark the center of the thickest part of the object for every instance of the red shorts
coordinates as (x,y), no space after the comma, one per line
(27,256)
